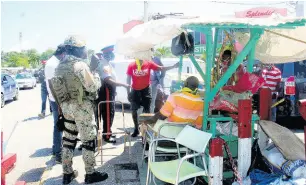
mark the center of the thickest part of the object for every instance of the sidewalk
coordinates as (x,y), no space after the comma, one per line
(120,168)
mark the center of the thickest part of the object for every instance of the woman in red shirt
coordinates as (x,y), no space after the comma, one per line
(138,73)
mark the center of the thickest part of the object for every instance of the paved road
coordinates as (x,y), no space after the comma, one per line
(27,136)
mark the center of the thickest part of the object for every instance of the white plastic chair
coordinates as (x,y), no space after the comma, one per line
(163,129)
(179,170)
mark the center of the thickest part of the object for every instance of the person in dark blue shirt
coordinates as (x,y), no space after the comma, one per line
(44,90)
(157,81)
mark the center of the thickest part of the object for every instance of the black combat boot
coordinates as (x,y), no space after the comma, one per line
(67,178)
(95,177)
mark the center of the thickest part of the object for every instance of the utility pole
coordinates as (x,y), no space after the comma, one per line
(146,16)
(20,34)
(20,41)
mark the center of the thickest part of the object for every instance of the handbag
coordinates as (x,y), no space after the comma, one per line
(182,44)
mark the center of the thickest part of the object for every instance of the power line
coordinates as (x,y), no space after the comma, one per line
(238,3)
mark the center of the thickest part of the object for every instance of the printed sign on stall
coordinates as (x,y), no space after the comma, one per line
(290,86)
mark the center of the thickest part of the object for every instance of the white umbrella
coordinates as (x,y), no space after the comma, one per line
(140,39)
(279,45)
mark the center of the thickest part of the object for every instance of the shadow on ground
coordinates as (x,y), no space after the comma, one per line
(43,152)
(35,118)
(32,175)
(57,180)
(7,102)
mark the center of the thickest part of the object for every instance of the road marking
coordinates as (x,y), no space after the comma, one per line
(5,143)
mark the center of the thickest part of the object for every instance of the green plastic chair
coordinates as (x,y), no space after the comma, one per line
(163,129)
(179,170)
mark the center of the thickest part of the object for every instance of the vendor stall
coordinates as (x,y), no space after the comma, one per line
(138,42)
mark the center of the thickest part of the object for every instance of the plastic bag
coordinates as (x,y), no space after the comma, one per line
(228,101)
(220,104)
(279,165)
(259,177)
(246,82)
(225,128)
(233,97)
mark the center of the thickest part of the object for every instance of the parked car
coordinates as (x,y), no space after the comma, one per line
(26,80)
(9,89)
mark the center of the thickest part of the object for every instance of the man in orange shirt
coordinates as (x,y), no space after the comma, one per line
(183,106)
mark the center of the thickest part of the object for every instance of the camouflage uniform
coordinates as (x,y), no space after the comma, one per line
(75,88)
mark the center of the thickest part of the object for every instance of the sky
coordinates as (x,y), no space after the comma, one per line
(45,24)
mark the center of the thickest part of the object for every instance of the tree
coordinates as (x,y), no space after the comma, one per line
(34,57)
(163,52)
(15,59)
(47,54)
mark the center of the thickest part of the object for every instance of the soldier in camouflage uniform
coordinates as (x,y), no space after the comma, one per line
(75,87)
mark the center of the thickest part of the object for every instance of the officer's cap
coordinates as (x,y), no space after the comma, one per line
(108,49)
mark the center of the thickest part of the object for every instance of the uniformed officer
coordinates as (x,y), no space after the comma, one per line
(107,91)
(75,88)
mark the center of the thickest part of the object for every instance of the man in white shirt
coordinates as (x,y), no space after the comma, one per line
(51,64)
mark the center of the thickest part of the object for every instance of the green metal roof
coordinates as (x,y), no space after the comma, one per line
(247,25)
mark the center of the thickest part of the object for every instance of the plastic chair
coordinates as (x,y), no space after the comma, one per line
(101,134)
(179,170)
(163,129)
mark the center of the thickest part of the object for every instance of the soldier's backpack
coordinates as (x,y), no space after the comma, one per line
(60,89)
(183,44)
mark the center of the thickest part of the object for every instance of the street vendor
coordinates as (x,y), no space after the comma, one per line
(226,63)
(226,59)
(138,74)
(183,106)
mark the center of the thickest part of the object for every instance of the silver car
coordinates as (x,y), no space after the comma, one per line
(25,80)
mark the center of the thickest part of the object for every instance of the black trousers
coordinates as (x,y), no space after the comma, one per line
(107,110)
(140,98)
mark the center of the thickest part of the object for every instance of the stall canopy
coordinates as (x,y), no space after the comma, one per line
(272,48)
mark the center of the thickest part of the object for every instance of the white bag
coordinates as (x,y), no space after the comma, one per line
(278,164)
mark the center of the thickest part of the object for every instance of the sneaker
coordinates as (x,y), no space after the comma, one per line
(95,177)
(68,178)
(41,115)
(113,136)
(135,133)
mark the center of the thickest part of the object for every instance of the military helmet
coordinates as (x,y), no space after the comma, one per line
(75,41)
